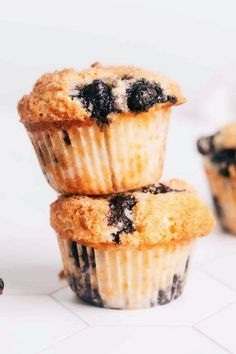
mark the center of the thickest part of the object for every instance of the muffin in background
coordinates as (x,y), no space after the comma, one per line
(1,286)
(101,130)
(219,158)
(130,250)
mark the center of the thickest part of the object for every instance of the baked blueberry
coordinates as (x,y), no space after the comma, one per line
(172,99)
(98,99)
(74,253)
(85,259)
(119,216)
(142,95)
(159,189)
(206,145)
(225,155)
(66,138)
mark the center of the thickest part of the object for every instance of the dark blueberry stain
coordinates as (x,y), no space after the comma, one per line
(224,170)
(187,265)
(73,282)
(205,145)
(177,286)
(218,208)
(74,253)
(1,286)
(92,259)
(41,157)
(159,189)
(98,99)
(226,155)
(66,137)
(226,229)
(166,296)
(171,99)
(55,159)
(85,259)
(84,289)
(162,298)
(120,208)
(142,95)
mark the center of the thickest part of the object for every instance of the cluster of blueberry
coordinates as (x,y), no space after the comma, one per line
(121,207)
(222,158)
(99,100)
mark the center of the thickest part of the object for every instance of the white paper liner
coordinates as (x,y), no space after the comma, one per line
(126,279)
(126,154)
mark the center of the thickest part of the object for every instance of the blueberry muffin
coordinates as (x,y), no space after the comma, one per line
(102,130)
(130,250)
(219,157)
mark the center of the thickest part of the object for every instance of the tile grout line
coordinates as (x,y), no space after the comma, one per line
(61,339)
(34,294)
(55,291)
(212,340)
(216,279)
(85,328)
(66,308)
(215,313)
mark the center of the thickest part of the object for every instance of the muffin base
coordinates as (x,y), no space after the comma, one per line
(126,279)
(126,154)
(223,191)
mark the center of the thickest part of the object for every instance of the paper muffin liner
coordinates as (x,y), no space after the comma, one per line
(223,191)
(126,154)
(126,278)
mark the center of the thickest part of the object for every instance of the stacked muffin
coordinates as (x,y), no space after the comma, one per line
(125,237)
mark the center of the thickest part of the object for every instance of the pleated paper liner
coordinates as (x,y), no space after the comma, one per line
(123,278)
(126,154)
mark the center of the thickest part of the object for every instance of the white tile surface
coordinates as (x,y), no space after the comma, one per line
(203,296)
(138,340)
(30,263)
(209,248)
(221,327)
(222,268)
(30,323)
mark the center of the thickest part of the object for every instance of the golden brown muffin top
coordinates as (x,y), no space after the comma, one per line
(156,214)
(99,93)
(219,150)
(223,139)
(226,137)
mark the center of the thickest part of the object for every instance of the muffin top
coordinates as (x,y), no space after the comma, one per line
(220,149)
(155,214)
(97,94)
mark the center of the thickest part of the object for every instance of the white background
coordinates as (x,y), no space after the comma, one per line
(193,42)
